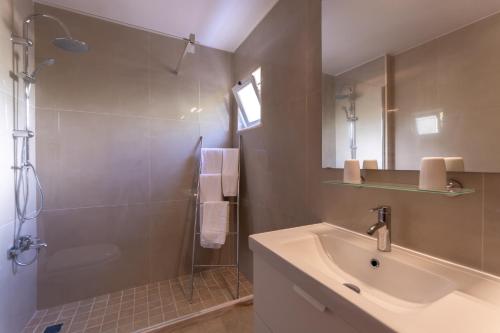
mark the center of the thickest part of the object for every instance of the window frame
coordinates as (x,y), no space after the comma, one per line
(250,80)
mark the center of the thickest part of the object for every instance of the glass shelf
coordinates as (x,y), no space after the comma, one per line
(403,187)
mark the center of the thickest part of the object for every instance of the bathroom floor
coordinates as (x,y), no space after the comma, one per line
(236,319)
(141,307)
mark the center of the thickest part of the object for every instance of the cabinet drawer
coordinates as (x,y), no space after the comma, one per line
(286,308)
(259,325)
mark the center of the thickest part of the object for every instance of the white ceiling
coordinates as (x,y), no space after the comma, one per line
(221,24)
(357,31)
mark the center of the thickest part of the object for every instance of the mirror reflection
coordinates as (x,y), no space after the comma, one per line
(404,82)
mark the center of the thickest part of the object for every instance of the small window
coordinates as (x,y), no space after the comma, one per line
(247,95)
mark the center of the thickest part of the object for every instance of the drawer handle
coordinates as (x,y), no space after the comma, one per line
(311,300)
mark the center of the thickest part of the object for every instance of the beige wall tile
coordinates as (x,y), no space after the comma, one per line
(92,251)
(275,156)
(88,159)
(117,151)
(491,261)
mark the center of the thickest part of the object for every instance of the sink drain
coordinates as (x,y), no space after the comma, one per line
(374,263)
(353,287)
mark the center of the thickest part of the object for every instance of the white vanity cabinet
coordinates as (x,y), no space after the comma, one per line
(284,307)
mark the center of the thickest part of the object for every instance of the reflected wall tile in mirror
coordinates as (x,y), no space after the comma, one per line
(468,67)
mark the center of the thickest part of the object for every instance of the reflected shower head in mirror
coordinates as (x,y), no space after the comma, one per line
(70,44)
(347,92)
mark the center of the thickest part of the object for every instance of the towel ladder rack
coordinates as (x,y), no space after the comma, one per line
(197,226)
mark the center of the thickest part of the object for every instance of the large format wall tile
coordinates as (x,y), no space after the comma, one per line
(491,229)
(90,159)
(92,251)
(118,143)
(111,78)
(169,248)
(275,156)
(174,163)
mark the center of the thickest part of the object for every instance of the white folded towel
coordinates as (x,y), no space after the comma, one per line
(214,224)
(210,187)
(230,163)
(211,160)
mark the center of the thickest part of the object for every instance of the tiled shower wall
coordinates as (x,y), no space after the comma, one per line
(17,288)
(276,156)
(118,134)
(282,171)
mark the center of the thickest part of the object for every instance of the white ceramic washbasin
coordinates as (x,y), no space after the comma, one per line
(407,291)
(358,262)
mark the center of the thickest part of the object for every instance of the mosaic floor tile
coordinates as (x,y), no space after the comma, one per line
(135,309)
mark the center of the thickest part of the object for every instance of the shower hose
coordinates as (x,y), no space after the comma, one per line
(22,194)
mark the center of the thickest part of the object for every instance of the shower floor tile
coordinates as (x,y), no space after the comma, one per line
(135,309)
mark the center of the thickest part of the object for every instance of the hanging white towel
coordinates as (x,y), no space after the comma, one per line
(230,163)
(210,187)
(214,224)
(211,160)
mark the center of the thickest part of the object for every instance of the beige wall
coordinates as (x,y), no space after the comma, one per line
(282,174)
(17,289)
(117,154)
(276,156)
(456,78)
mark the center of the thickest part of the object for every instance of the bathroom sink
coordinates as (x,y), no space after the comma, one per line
(404,290)
(359,263)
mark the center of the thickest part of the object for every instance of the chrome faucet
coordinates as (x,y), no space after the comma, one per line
(383,226)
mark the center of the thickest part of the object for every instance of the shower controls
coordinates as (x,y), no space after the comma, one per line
(23,168)
(24,243)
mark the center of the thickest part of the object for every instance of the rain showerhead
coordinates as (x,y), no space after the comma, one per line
(70,44)
(67,43)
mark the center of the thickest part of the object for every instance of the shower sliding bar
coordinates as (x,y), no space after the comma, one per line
(197,226)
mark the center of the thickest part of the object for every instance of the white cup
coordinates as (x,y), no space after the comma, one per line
(352,173)
(454,164)
(432,174)
(370,165)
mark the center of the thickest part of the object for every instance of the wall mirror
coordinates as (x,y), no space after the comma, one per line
(406,81)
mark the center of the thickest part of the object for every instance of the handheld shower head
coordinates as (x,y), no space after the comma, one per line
(70,44)
(45,63)
(31,78)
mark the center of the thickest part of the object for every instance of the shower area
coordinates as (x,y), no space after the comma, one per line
(115,133)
